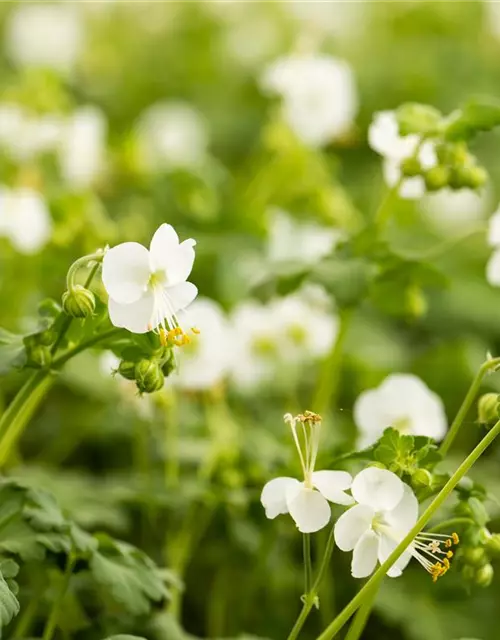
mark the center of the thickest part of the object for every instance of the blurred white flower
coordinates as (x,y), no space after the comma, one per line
(404,402)
(493,266)
(385,139)
(306,501)
(23,135)
(319,95)
(172,135)
(293,241)
(205,360)
(44,35)
(24,219)
(492,16)
(494,229)
(147,289)
(451,210)
(341,19)
(82,148)
(385,512)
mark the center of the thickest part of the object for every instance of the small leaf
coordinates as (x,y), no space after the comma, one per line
(12,352)
(482,114)
(9,605)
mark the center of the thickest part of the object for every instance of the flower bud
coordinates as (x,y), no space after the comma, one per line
(78,302)
(493,544)
(478,177)
(411,167)
(437,178)
(468,572)
(127,370)
(468,176)
(168,366)
(421,479)
(40,356)
(484,576)
(417,118)
(475,556)
(46,338)
(148,376)
(488,408)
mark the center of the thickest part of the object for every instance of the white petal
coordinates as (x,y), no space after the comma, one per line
(310,511)
(493,269)
(386,547)
(125,272)
(332,485)
(179,272)
(273,496)
(164,243)
(136,316)
(352,525)
(364,557)
(181,295)
(494,230)
(175,259)
(378,488)
(427,155)
(405,513)
(412,188)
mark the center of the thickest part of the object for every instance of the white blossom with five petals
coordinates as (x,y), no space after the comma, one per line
(385,511)
(147,288)
(306,501)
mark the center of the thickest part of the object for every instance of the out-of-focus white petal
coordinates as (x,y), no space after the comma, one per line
(332,485)
(126,272)
(24,219)
(494,230)
(405,513)
(493,269)
(386,547)
(378,488)
(352,525)
(427,155)
(273,496)
(309,509)
(412,188)
(364,557)
(135,316)
(181,295)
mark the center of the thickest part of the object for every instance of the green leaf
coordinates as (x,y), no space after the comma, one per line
(482,114)
(9,604)
(12,352)
(346,279)
(131,577)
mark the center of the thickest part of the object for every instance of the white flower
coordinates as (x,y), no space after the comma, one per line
(455,210)
(24,219)
(319,96)
(172,135)
(205,361)
(23,136)
(44,36)
(404,402)
(303,242)
(306,501)
(493,266)
(82,147)
(147,289)
(385,512)
(385,139)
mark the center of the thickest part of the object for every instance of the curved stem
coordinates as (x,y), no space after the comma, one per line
(363,594)
(51,625)
(361,618)
(489,365)
(71,353)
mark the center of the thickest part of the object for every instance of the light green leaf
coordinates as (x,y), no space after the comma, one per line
(482,114)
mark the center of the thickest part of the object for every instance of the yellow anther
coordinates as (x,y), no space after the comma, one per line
(449,554)
(455,538)
(446,563)
(448,543)
(163,337)
(195,330)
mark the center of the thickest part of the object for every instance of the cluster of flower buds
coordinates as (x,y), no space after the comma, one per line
(37,348)
(476,565)
(488,409)
(149,373)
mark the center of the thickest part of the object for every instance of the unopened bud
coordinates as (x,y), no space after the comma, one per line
(417,118)
(168,366)
(127,369)
(46,338)
(475,556)
(148,376)
(421,478)
(468,176)
(411,167)
(78,302)
(437,178)
(40,356)
(488,408)
(484,576)
(493,544)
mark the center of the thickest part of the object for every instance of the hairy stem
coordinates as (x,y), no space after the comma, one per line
(336,625)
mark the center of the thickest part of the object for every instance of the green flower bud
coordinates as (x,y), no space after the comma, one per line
(46,338)
(437,178)
(168,366)
(411,167)
(475,556)
(416,303)
(468,176)
(127,369)
(78,302)
(421,478)
(478,177)
(455,154)
(493,544)
(468,572)
(148,376)
(40,356)
(417,118)
(488,408)
(484,576)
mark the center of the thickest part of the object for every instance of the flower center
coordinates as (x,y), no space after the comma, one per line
(157,279)
(297,334)
(264,346)
(402,424)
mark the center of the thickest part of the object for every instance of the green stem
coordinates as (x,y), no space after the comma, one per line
(310,598)
(383,212)
(361,618)
(71,353)
(328,383)
(360,598)
(306,547)
(467,403)
(51,625)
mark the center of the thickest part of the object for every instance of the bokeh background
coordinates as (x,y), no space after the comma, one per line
(118,116)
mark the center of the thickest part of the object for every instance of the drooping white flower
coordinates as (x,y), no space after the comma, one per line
(404,402)
(24,219)
(44,35)
(306,501)
(82,147)
(147,288)
(319,95)
(205,360)
(385,139)
(172,135)
(304,242)
(385,511)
